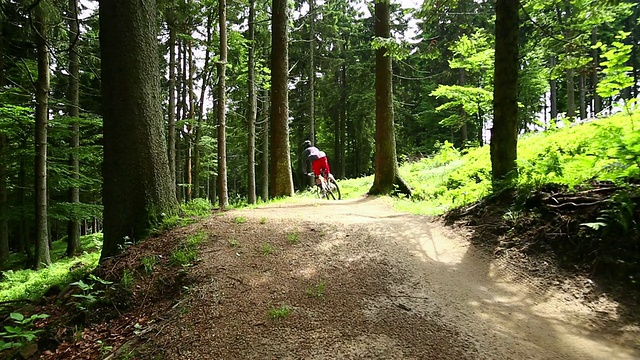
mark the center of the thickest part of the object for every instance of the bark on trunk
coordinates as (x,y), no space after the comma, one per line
(571,96)
(203,92)
(462,81)
(172,97)
(138,188)
(386,174)
(583,95)
(504,137)
(280,176)
(343,121)
(553,96)
(191,124)
(252,106)
(42,256)
(597,100)
(73,225)
(222,115)
(4,228)
(312,74)
(265,148)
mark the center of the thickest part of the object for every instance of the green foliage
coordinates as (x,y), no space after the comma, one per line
(267,249)
(234,243)
(32,284)
(280,313)
(127,279)
(90,293)
(22,333)
(197,207)
(293,238)
(615,69)
(606,150)
(183,256)
(316,290)
(149,263)
(240,220)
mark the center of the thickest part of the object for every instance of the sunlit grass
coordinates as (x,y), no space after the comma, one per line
(605,149)
(31,284)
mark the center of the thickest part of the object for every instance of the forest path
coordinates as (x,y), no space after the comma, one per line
(362,280)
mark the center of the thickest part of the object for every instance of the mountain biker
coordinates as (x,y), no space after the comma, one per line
(316,157)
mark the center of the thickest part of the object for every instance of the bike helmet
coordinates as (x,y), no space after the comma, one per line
(306,144)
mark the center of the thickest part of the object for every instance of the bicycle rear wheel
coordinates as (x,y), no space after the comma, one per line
(334,189)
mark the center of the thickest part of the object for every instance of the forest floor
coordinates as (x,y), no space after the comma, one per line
(349,279)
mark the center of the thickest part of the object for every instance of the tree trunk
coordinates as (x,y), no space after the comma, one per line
(4,228)
(504,136)
(265,147)
(595,53)
(386,175)
(553,96)
(190,123)
(583,95)
(312,75)
(571,96)
(42,256)
(341,166)
(73,225)
(171,111)
(138,188)
(635,38)
(203,92)
(222,116)
(280,176)
(462,81)
(252,105)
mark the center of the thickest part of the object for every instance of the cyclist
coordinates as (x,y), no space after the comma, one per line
(317,158)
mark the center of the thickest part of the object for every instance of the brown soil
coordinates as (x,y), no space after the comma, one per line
(358,280)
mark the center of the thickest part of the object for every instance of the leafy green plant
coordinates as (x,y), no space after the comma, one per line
(280,313)
(616,71)
(267,249)
(183,256)
(90,294)
(104,348)
(197,207)
(293,238)
(234,243)
(22,333)
(197,239)
(149,263)
(316,290)
(127,279)
(240,220)
(263,220)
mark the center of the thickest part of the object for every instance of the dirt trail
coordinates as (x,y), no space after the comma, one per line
(365,281)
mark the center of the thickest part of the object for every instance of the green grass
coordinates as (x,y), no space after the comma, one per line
(280,313)
(293,238)
(316,290)
(267,249)
(149,263)
(240,220)
(32,284)
(605,149)
(234,243)
(184,256)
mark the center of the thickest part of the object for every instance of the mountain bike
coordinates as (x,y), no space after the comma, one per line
(327,186)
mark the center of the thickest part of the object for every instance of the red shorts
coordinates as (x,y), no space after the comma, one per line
(318,165)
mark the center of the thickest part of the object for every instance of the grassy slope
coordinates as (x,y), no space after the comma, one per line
(605,149)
